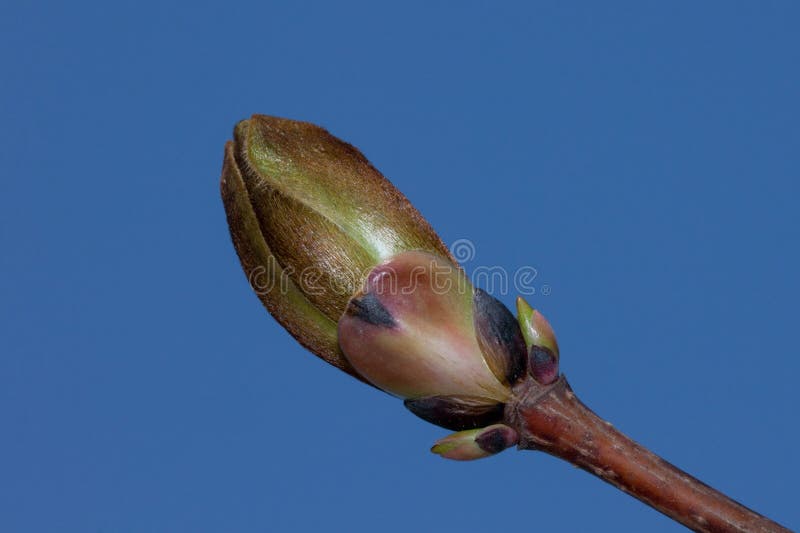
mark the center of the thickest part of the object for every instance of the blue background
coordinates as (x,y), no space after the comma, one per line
(643,156)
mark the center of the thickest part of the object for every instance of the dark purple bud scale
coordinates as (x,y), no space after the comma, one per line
(543,365)
(497,439)
(457,412)
(499,337)
(369,309)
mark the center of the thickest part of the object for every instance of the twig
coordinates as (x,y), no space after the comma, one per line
(555,421)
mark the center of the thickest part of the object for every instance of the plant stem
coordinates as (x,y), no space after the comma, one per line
(553,420)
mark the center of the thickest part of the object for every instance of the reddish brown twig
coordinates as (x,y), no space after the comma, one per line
(555,421)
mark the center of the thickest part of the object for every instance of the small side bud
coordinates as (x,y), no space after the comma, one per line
(476,443)
(536,330)
(541,343)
